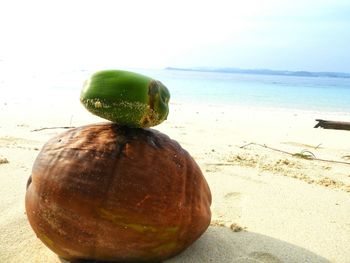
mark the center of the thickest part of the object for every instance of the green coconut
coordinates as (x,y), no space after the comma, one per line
(126,98)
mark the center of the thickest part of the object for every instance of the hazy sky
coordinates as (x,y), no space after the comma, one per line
(291,34)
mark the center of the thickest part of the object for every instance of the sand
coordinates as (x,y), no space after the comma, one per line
(269,204)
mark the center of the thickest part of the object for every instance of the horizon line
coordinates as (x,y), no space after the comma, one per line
(265,71)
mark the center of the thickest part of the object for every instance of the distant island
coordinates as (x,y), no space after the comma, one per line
(266,72)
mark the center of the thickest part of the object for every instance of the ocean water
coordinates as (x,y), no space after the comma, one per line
(305,93)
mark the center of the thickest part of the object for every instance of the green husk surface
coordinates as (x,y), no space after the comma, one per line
(126,98)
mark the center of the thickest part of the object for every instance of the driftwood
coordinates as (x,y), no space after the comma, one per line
(307,155)
(336,125)
(49,128)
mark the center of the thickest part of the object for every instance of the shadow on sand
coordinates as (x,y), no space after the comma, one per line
(220,244)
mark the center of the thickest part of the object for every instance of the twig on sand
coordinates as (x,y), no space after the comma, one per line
(47,128)
(318,146)
(265,146)
(303,154)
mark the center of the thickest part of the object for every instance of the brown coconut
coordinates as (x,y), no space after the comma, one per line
(105,192)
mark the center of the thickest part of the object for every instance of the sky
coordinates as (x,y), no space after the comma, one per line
(83,34)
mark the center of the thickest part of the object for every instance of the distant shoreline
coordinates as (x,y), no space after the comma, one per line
(266,72)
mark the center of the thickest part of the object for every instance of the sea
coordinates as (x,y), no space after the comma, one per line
(273,91)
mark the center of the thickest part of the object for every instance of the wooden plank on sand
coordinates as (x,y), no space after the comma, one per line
(336,125)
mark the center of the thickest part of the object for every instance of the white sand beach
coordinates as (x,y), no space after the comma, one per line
(268,205)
